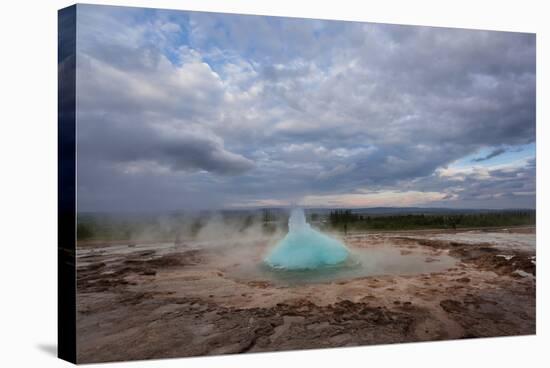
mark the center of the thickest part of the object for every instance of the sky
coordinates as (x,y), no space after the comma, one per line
(185,110)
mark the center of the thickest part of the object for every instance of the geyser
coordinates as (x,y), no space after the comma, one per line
(305,248)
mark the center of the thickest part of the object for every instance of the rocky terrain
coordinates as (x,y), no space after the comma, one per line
(158,300)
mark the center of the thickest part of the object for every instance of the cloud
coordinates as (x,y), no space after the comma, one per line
(181,151)
(296,108)
(397,199)
(510,185)
(148,116)
(493,153)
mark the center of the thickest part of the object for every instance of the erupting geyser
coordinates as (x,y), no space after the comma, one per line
(305,248)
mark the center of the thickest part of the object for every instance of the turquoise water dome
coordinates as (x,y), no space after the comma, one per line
(305,248)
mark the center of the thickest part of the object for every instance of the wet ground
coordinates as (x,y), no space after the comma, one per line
(157,300)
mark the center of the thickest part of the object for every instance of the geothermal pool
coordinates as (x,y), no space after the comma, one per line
(306,255)
(377,261)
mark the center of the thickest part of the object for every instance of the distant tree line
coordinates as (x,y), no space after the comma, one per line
(104,227)
(107,227)
(346,219)
(341,217)
(169,227)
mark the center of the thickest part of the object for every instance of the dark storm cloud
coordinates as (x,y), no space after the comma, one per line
(172,149)
(296,107)
(493,153)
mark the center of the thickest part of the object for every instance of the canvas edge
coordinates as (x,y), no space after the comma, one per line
(66,186)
